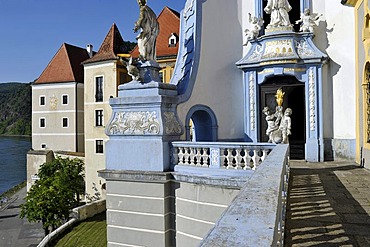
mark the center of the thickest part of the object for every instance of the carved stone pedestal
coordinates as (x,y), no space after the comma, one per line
(149,71)
(143,123)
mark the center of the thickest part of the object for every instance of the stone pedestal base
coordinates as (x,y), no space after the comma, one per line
(143,123)
(312,150)
(140,208)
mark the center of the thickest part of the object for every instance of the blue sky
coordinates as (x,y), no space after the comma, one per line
(31,31)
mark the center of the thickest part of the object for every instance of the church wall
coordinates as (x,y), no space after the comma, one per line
(340,110)
(219,84)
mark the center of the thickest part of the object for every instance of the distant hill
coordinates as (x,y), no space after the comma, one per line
(15,108)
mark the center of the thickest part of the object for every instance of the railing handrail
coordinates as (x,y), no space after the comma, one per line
(223,144)
(256,215)
(219,155)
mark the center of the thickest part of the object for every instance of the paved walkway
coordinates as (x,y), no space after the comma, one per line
(328,205)
(15,231)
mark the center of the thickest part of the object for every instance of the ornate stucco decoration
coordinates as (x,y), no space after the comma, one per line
(284,48)
(252,102)
(172,126)
(134,123)
(53,102)
(303,49)
(278,49)
(312,95)
(257,53)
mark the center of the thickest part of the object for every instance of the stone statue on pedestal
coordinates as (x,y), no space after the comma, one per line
(149,26)
(279,123)
(145,69)
(279,13)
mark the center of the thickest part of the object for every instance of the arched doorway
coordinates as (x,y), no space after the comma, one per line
(295,99)
(201,124)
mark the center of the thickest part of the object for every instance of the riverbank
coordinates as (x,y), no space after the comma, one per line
(10,192)
(7,135)
(8,196)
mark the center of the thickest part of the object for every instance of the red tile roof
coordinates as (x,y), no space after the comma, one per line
(112,45)
(169,22)
(65,66)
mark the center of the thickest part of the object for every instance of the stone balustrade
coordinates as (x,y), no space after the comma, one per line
(256,216)
(223,155)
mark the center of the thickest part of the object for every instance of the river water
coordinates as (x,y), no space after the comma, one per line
(13,155)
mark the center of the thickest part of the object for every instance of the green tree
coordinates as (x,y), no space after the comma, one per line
(57,191)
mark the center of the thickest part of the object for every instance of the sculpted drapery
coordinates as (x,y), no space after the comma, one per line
(278,9)
(149,26)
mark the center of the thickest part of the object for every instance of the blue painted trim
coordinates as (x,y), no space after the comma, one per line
(321,122)
(188,56)
(258,8)
(305,4)
(211,114)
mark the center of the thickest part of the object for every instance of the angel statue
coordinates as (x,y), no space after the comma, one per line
(308,21)
(149,26)
(256,25)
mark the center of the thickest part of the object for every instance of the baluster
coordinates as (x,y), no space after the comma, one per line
(255,159)
(181,155)
(186,156)
(244,157)
(229,158)
(175,156)
(223,158)
(238,158)
(248,159)
(264,154)
(205,156)
(191,156)
(198,156)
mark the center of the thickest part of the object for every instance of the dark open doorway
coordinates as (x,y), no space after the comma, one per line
(295,99)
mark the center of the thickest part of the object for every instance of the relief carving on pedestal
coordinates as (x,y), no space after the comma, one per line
(172,126)
(134,123)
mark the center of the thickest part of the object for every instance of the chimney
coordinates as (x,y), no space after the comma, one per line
(89,49)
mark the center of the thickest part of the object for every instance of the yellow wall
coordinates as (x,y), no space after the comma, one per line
(111,71)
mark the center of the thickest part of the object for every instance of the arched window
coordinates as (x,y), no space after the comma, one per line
(201,124)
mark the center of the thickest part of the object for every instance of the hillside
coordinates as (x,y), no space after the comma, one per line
(15,109)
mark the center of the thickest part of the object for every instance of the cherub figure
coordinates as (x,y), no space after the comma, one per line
(272,127)
(256,25)
(132,69)
(285,125)
(308,21)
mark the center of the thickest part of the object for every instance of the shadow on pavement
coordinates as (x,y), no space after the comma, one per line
(8,216)
(328,205)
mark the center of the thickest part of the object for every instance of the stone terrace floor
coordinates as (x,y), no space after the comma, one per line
(328,205)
